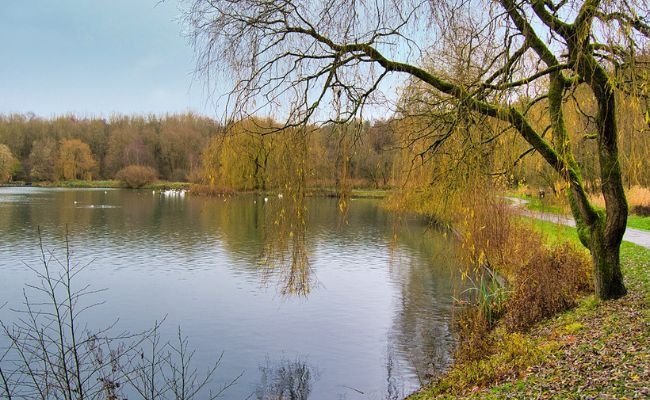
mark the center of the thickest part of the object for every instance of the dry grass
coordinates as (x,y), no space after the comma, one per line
(550,282)
(638,199)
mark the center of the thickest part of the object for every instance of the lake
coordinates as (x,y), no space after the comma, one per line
(358,304)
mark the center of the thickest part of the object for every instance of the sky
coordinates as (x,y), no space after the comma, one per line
(96,58)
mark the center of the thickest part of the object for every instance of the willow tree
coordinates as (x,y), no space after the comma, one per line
(8,163)
(75,160)
(331,59)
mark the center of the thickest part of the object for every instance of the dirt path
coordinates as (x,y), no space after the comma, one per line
(636,236)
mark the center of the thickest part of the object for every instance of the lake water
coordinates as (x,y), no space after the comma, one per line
(362,313)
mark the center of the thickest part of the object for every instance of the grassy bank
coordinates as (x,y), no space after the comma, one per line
(79,184)
(596,350)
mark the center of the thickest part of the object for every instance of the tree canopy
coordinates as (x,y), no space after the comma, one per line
(328,60)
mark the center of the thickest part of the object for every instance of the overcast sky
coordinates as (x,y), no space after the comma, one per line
(96,58)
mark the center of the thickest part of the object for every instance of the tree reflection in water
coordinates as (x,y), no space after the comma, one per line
(285,254)
(286,257)
(287,380)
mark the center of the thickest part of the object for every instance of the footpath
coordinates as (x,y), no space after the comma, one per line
(636,236)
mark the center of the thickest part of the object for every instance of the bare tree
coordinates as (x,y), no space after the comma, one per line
(297,58)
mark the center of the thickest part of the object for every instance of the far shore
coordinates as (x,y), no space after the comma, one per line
(198,189)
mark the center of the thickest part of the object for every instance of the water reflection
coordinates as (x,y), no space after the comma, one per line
(375,321)
(285,380)
(286,252)
(422,326)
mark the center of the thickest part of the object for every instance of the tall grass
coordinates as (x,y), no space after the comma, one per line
(636,196)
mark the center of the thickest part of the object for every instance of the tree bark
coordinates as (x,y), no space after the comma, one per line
(605,255)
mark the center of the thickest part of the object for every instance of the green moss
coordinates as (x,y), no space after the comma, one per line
(571,328)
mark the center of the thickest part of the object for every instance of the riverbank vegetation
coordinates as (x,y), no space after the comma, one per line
(241,156)
(384,154)
(597,349)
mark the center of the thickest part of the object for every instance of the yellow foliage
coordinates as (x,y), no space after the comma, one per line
(75,160)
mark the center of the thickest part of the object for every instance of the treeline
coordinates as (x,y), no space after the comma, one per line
(249,155)
(257,155)
(68,147)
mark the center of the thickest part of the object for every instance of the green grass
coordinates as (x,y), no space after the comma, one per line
(555,233)
(549,204)
(638,222)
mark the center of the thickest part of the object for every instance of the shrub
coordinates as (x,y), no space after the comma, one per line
(515,278)
(548,283)
(136,176)
(473,335)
